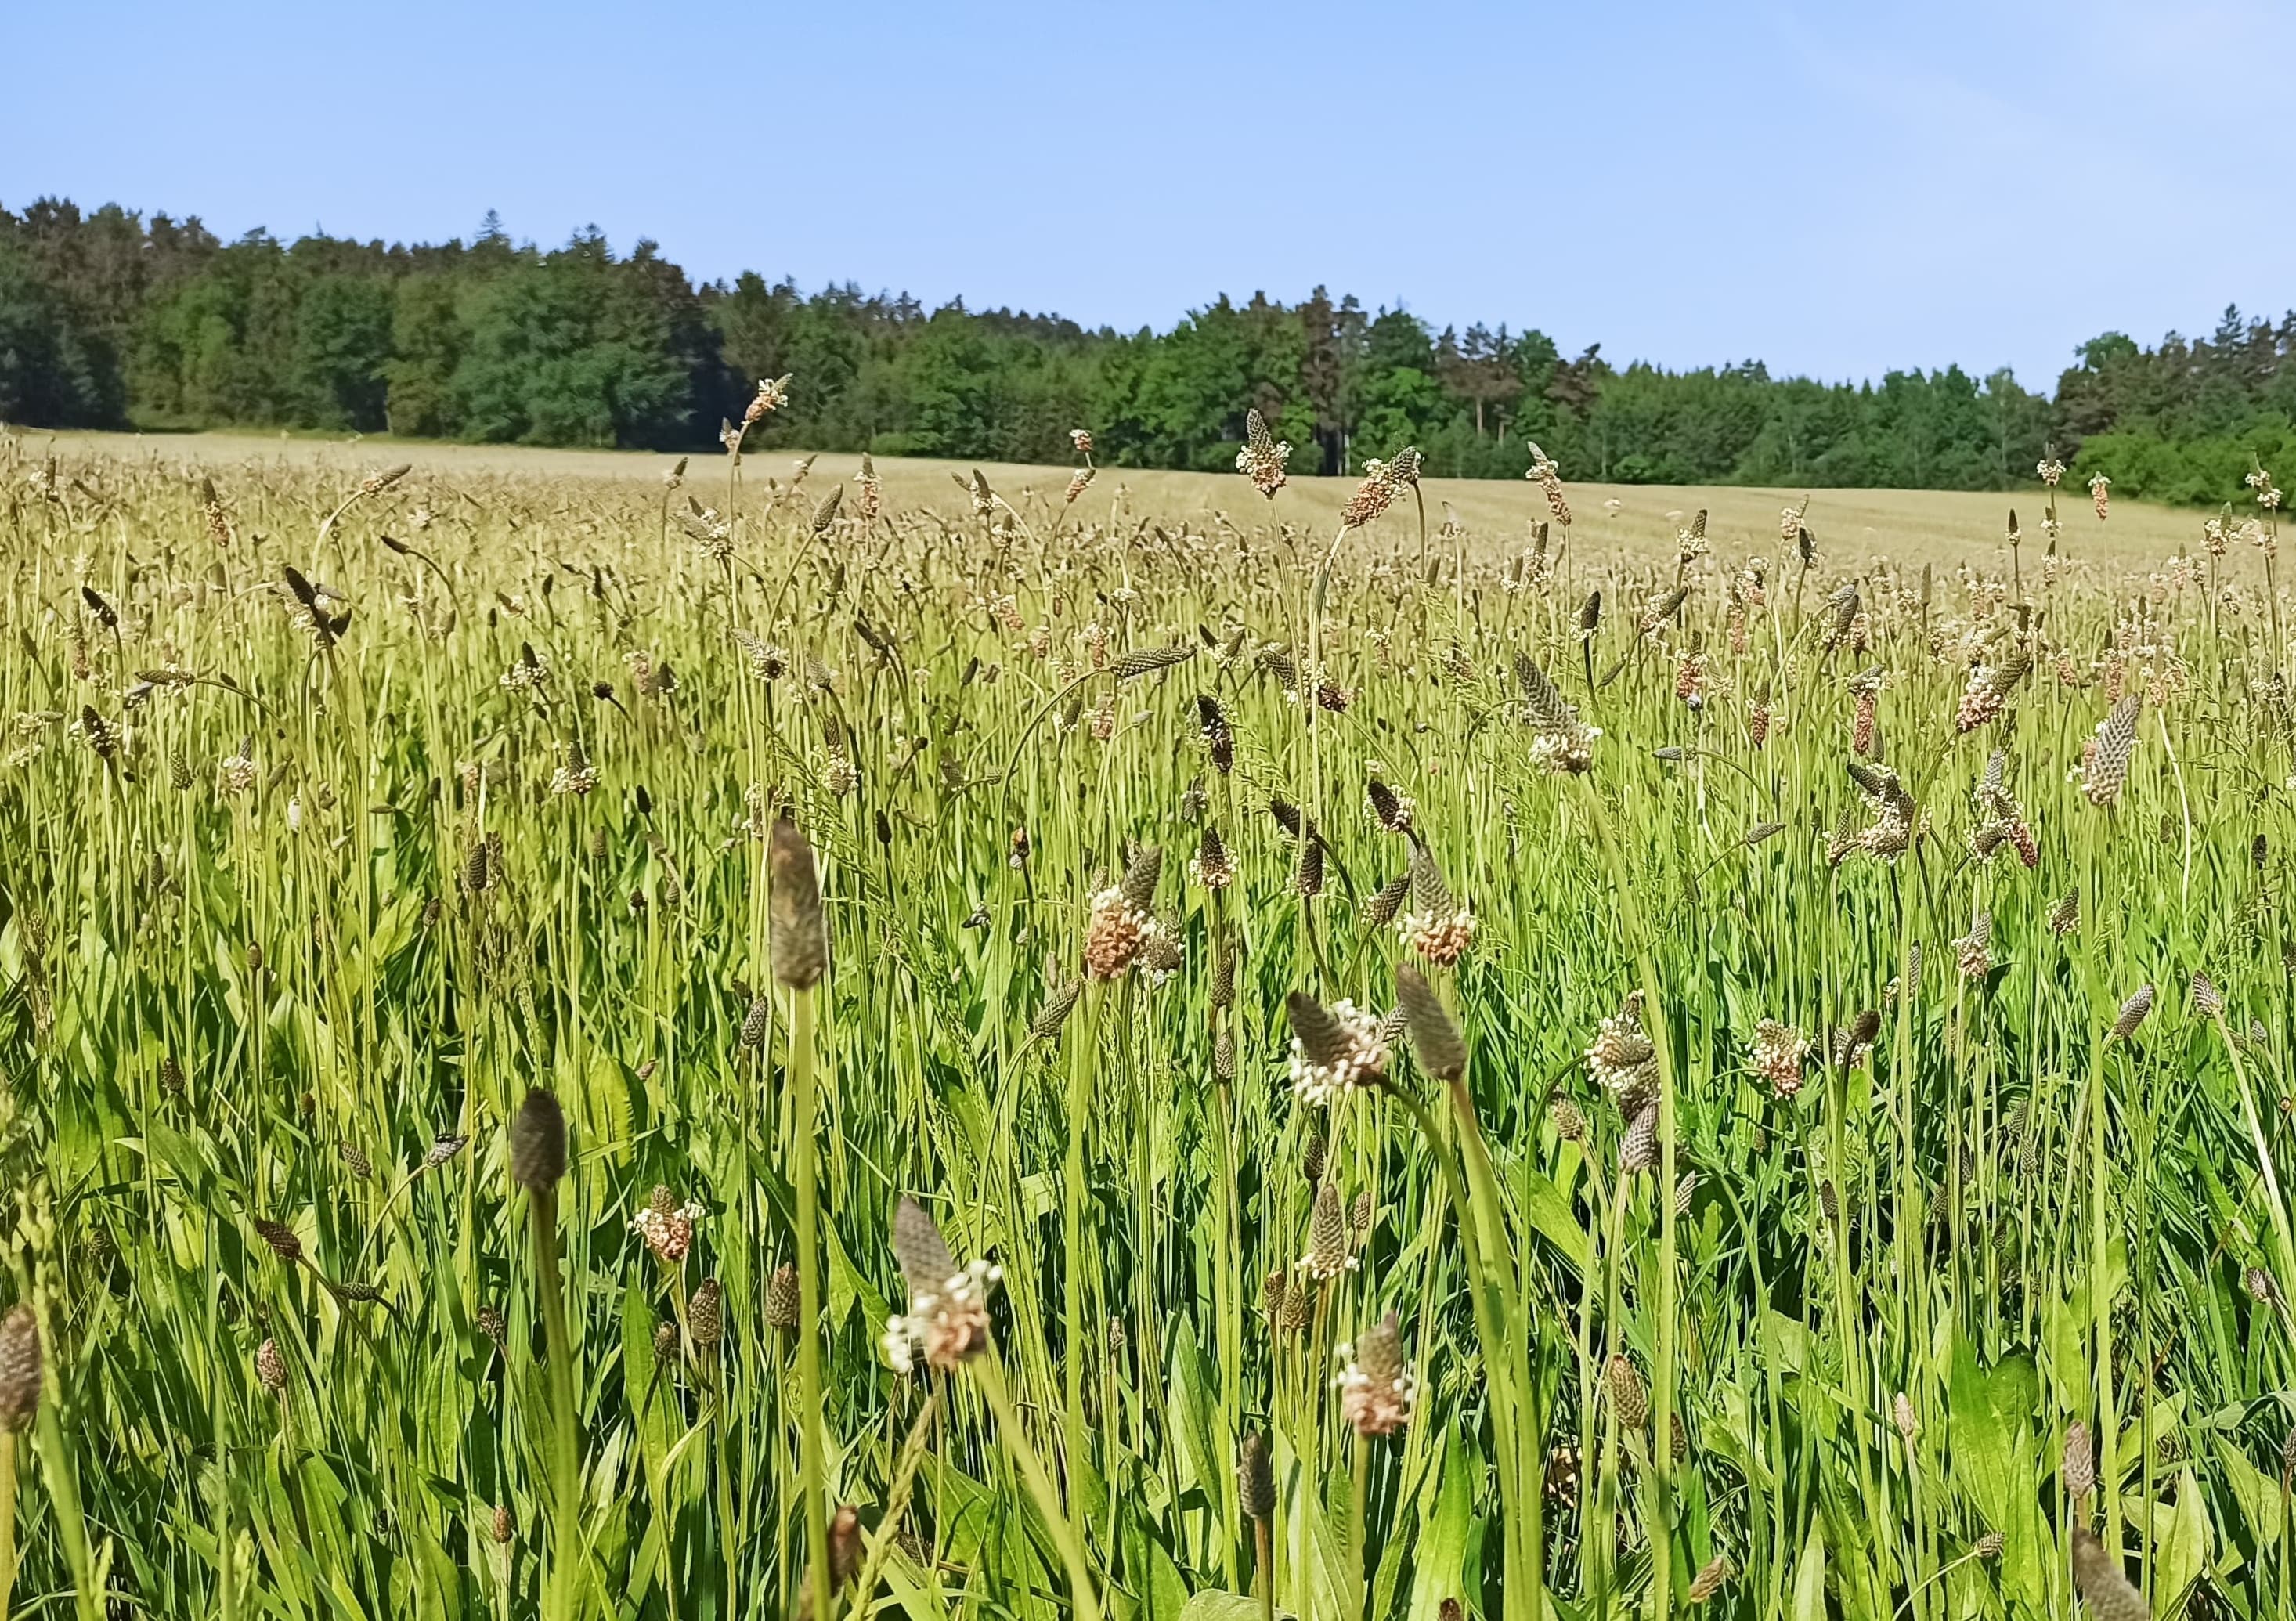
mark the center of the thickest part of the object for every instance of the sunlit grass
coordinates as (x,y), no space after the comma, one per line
(321,853)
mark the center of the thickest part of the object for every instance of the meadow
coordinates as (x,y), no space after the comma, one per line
(597,1036)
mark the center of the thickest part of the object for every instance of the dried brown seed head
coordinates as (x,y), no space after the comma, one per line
(705,1314)
(2079,1461)
(1435,1037)
(781,1299)
(537,1141)
(21,1368)
(1255,1477)
(800,931)
(1711,1578)
(271,1367)
(1629,1399)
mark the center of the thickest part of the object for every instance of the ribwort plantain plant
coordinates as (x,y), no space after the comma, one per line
(1659,1113)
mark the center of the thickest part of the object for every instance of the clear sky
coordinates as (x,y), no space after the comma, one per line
(1837,189)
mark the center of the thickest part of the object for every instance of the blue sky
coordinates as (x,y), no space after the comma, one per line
(1835,189)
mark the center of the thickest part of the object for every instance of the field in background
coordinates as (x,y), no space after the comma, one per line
(1853,526)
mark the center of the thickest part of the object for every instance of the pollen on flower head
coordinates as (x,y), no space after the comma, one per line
(1334,1050)
(1779,1050)
(1377,1391)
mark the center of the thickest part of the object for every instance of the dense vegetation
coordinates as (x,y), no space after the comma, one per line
(572,1052)
(108,318)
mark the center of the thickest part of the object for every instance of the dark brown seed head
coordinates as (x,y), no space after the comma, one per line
(1323,1039)
(2133,1013)
(1430,893)
(2065,917)
(271,1367)
(1142,661)
(1298,1306)
(1311,1160)
(1380,1352)
(1308,876)
(1434,1037)
(1380,907)
(501,1526)
(2116,741)
(1629,1399)
(1862,1031)
(19,1368)
(801,933)
(281,1239)
(705,1314)
(1140,878)
(926,1262)
(1327,1232)
(756,1022)
(101,738)
(1255,1479)
(1543,703)
(1638,1151)
(1211,720)
(667,1345)
(1387,806)
(537,1141)
(1058,1005)
(781,1299)
(2079,1461)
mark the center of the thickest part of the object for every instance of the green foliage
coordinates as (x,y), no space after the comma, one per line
(2187,473)
(573,351)
(52,370)
(110,317)
(291,905)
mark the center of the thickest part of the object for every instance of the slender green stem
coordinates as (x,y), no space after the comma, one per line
(7,1517)
(813,1500)
(988,1374)
(63,1497)
(565,1469)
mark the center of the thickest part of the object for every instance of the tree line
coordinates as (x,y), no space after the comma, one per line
(110,319)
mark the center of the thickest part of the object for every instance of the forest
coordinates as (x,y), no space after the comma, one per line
(110,318)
